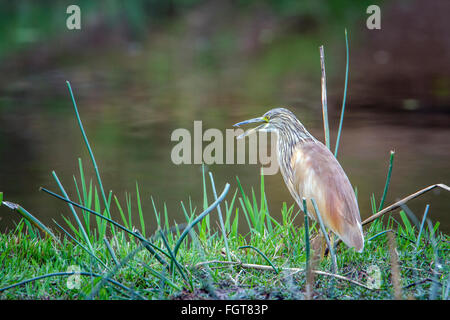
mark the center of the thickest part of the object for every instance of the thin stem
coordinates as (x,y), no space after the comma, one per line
(110,250)
(262,254)
(91,154)
(222,226)
(403,201)
(269,268)
(111,273)
(174,260)
(147,244)
(81,245)
(307,245)
(421,225)
(82,273)
(343,98)
(433,288)
(199,218)
(395,270)
(28,216)
(388,180)
(80,225)
(309,275)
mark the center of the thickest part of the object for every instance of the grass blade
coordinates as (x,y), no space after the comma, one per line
(118,225)
(199,218)
(307,245)
(110,250)
(222,226)
(81,245)
(80,225)
(91,154)
(111,273)
(28,217)
(262,254)
(388,180)
(122,215)
(141,215)
(172,257)
(343,97)
(422,224)
(82,273)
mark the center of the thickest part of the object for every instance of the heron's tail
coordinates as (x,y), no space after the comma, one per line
(354,237)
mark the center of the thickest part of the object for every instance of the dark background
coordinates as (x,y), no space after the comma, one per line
(141,69)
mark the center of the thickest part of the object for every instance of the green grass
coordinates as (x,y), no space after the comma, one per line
(123,260)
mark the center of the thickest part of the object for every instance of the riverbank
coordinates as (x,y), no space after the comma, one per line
(266,263)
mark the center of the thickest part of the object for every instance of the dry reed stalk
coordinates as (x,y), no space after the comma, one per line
(270,268)
(395,270)
(399,203)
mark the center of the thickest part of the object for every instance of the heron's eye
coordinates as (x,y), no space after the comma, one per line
(266,118)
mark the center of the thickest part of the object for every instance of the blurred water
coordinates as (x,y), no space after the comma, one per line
(132,95)
(132,143)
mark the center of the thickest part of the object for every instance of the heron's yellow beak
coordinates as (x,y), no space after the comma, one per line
(264,124)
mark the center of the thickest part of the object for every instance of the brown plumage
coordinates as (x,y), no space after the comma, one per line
(311,171)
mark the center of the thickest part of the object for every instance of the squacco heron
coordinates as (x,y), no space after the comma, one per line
(311,171)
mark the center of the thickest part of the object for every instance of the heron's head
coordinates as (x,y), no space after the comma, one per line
(278,119)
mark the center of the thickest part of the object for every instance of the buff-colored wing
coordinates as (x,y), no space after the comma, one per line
(317,174)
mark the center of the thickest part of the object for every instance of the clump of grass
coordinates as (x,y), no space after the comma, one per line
(280,249)
(249,272)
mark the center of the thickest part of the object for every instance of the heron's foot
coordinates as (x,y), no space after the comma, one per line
(331,237)
(320,247)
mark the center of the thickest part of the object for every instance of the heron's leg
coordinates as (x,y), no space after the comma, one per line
(332,240)
(324,248)
(318,244)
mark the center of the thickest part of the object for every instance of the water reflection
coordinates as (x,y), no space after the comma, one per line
(130,148)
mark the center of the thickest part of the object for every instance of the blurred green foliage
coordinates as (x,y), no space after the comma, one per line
(26,22)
